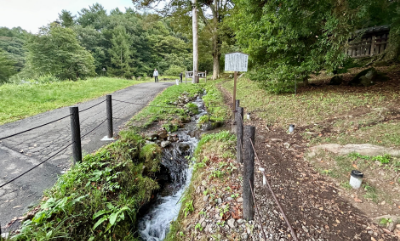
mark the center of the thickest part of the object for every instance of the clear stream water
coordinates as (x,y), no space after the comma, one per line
(154,224)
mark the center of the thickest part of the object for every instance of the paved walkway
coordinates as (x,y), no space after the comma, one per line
(21,152)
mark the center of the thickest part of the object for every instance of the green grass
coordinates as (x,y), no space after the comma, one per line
(99,198)
(173,115)
(21,101)
(306,107)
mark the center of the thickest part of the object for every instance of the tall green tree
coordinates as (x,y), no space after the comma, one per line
(12,42)
(56,50)
(120,53)
(66,18)
(289,39)
(7,67)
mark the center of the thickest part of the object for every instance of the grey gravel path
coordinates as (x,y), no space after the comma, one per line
(19,153)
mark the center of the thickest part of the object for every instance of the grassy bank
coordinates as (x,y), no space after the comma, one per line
(164,108)
(99,198)
(213,169)
(20,101)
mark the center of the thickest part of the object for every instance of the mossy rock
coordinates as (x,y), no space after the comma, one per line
(369,74)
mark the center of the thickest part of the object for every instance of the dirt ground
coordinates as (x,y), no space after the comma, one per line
(317,207)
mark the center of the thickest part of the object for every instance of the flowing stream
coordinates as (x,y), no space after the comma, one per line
(154,224)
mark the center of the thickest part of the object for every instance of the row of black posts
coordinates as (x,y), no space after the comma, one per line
(245,155)
(76,130)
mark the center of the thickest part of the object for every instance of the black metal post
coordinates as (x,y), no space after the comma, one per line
(248,172)
(109,116)
(239,134)
(76,134)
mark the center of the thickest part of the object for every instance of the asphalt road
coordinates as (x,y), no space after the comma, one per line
(19,153)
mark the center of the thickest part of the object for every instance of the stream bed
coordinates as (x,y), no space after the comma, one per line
(155,221)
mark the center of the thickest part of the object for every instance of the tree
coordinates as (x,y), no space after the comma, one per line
(7,68)
(66,18)
(12,41)
(56,50)
(180,10)
(121,53)
(289,39)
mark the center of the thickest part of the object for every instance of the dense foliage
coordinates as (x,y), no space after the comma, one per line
(56,50)
(125,44)
(289,40)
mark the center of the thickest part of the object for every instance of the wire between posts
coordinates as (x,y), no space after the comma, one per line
(254,199)
(33,128)
(273,195)
(22,174)
(87,133)
(92,106)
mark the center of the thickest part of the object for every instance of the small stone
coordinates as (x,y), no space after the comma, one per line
(217,216)
(240,221)
(286,145)
(239,200)
(391,226)
(231,223)
(205,198)
(305,229)
(165,143)
(219,200)
(229,199)
(203,224)
(244,236)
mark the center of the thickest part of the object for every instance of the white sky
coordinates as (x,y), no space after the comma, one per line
(33,14)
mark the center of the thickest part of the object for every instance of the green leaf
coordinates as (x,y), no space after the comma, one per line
(113,218)
(100,221)
(99,213)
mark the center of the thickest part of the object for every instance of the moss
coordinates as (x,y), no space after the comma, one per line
(108,184)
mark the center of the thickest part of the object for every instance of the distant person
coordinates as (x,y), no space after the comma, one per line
(155,74)
(180,75)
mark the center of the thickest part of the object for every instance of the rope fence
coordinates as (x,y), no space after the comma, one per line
(240,148)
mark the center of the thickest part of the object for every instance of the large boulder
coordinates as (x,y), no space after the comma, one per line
(366,77)
(336,80)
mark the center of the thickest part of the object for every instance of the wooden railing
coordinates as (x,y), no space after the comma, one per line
(368,47)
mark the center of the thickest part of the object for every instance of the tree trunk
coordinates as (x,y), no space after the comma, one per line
(195,45)
(215,52)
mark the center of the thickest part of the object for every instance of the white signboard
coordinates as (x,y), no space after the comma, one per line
(236,62)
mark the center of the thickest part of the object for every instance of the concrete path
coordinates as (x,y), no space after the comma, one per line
(19,153)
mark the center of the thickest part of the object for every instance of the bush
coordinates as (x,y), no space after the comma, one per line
(174,70)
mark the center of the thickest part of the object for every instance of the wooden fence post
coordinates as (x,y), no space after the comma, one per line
(239,134)
(248,172)
(76,134)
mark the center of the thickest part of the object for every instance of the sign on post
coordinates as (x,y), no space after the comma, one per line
(236,62)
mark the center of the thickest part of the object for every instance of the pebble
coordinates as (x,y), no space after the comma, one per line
(240,221)
(165,143)
(229,199)
(231,223)
(205,198)
(239,200)
(244,236)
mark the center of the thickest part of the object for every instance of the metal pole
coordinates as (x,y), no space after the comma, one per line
(248,172)
(76,134)
(109,115)
(239,134)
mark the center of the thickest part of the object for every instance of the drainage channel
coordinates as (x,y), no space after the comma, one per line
(154,223)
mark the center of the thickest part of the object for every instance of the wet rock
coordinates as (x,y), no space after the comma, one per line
(183,147)
(152,136)
(165,143)
(173,138)
(162,134)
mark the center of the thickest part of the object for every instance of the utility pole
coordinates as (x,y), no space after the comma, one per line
(195,44)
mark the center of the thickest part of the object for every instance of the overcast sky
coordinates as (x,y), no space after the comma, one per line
(32,14)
